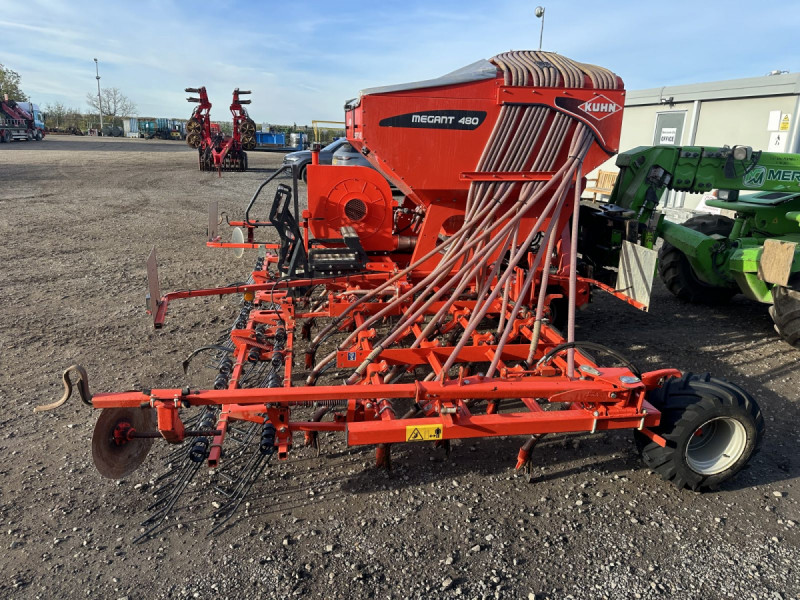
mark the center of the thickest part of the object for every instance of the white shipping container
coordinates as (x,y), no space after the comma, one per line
(131,127)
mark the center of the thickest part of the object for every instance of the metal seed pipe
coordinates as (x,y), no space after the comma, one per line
(537,323)
(479,314)
(573,273)
(513,140)
(443,269)
(549,235)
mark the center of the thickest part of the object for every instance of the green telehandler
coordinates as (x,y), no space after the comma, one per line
(709,258)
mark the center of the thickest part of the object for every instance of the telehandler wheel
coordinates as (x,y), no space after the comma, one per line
(785,313)
(678,275)
(712,428)
(559,312)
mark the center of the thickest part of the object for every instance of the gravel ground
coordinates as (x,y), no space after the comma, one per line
(79,216)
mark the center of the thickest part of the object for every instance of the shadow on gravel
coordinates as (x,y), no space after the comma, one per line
(736,342)
(90,145)
(263,170)
(554,458)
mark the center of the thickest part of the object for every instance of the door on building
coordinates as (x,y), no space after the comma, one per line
(669,132)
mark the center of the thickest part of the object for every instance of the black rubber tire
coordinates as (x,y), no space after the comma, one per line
(678,275)
(686,404)
(785,313)
(304,173)
(559,313)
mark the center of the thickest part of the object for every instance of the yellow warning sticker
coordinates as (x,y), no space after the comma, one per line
(785,122)
(423,433)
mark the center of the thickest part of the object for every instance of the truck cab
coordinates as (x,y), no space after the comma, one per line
(33,110)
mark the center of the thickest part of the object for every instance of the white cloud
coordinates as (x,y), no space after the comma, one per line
(302,60)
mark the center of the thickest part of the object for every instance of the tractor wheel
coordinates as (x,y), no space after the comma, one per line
(785,313)
(712,428)
(678,275)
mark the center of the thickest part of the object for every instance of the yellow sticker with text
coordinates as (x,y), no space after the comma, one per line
(423,433)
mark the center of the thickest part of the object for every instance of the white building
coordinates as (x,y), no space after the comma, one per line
(761,112)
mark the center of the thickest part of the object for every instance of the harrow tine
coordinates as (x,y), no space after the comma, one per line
(251,473)
(155,521)
(248,475)
(165,478)
(244,437)
(178,476)
(176,479)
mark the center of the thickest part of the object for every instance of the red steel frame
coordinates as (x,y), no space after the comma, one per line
(209,132)
(597,400)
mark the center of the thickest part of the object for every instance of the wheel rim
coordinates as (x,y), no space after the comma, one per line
(716,446)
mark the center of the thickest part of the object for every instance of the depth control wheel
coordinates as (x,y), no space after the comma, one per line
(712,428)
(785,313)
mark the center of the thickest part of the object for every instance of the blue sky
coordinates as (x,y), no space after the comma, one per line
(302,60)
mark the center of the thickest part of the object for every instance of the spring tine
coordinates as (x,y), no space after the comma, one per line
(246,483)
(170,486)
(159,517)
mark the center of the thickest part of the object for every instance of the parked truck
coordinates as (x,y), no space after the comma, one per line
(20,121)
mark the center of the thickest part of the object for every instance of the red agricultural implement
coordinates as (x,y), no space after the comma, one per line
(427,316)
(217,151)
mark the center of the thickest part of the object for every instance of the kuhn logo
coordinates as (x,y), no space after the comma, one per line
(600,107)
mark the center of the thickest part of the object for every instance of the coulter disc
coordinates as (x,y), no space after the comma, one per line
(237,237)
(116,459)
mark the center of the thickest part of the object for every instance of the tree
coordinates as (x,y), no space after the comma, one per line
(226,127)
(55,114)
(114,104)
(9,84)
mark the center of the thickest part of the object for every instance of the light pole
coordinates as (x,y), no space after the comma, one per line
(539,15)
(99,102)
